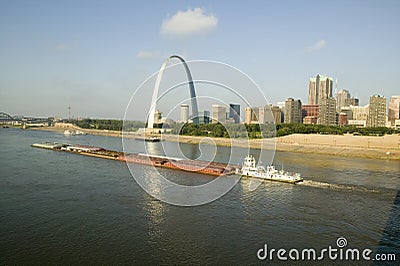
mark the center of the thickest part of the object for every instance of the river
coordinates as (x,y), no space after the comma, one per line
(61,208)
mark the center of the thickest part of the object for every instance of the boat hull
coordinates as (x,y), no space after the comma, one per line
(195,166)
(276,179)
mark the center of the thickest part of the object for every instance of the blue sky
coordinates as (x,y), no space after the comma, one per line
(92,55)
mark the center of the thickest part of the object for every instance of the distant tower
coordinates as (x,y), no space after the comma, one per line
(336,87)
(247,115)
(327,112)
(377,111)
(184,113)
(394,109)
(293,111)
(319,88)
(341,97)
(69,113)
(218,113)
(234,112)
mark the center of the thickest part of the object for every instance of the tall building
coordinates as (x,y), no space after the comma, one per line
(204,117)
(281,106)
(259,115)
(327,112)
(341,97)
(318,88)
(184,113)
(276,113)
(157,119)
(377,111)
(351,101)
(218,113)
(248,113)
(293,111)
(394,109)
(265,114)
(234,112)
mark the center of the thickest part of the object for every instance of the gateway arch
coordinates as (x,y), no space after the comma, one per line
(193,99)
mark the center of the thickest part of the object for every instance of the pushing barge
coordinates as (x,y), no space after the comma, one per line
(204,167)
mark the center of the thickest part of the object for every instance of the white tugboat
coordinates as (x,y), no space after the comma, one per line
(250,169)
(68,132)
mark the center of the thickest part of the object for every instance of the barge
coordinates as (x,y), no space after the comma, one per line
(197,166)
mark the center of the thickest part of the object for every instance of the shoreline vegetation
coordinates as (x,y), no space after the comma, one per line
(347,145)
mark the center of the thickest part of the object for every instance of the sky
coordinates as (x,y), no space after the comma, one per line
(93,55)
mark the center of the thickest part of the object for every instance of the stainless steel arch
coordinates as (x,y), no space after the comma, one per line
(195,112)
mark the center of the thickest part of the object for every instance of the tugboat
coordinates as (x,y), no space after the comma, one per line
(68,132)
(73,132)
(252,170)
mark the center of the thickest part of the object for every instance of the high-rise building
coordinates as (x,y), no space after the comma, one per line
(394,109)
(312,91)
(293,111)
(204,117)
(276,113)
(248,113)
(318,88)
(265,114)
(259,115)
(377,111)
(281,106)
(218,113)
(351,101)
(158,122)
(327,112)
(184,113)
(341,97)
(234,112)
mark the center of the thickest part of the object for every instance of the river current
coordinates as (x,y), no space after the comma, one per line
(61,208)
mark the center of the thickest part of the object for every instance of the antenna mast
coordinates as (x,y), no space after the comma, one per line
(69,113)
(336,88)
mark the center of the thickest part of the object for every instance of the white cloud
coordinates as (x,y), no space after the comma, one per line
(189,22)
(317,46)
(148,54)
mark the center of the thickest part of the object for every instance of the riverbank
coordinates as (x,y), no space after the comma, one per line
(380,147)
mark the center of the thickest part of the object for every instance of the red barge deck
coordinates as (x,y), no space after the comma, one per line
(197,166)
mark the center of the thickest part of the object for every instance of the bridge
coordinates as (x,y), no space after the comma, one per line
(6,118)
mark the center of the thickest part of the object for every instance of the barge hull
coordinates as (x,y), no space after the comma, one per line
(194,166)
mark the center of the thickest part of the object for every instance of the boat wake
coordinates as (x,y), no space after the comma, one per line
(355,188)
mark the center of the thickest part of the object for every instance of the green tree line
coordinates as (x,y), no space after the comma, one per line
(256,131)
(252,131)
(109,124)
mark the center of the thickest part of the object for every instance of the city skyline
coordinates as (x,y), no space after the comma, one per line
(92,57)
